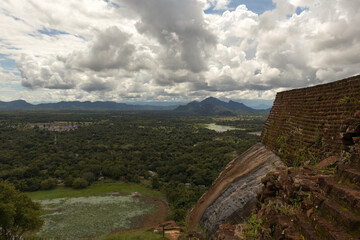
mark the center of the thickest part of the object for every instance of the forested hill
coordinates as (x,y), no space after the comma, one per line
(213,106)
(208,107)
(20,105)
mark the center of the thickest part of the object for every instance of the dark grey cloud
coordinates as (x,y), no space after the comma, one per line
(110,49)
(96,84)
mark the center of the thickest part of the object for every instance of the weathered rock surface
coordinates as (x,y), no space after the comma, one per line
(233,193)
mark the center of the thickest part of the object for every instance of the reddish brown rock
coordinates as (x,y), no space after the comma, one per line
(309,212)
(356,140)
(357,114)
(327,162)
(309,204)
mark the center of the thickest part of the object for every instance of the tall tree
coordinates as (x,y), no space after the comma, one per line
(18,213)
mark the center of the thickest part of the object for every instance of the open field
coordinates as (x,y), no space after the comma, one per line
(95,212)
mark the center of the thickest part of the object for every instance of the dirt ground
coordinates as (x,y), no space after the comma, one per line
(154,219)
(150,220)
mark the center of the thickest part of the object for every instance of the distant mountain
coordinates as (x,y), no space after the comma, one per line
(15,105)
(76,105)
(208,107)
(21,105)
(213,106)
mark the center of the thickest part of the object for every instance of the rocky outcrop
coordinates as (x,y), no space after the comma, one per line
(311,203)
(233,193)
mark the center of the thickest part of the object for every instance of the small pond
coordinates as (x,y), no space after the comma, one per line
(220,128)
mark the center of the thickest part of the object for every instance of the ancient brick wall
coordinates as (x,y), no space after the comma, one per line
(311,123)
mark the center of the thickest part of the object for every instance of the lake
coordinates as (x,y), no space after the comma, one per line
(220,128)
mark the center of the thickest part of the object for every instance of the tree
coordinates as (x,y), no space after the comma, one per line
(155,183)
(80,183)
(18,213)
(88,176)
(48,184)
(69,181)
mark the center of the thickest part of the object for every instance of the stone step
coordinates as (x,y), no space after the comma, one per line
(325,230)
(347,193)
(350,173)
(343,217)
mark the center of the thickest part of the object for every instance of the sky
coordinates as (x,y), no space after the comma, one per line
(171,50)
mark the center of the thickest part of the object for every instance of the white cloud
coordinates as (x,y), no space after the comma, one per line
(171,50)
(221,4)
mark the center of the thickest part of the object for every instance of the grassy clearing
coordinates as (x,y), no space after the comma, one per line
(96,189)
(95,211)
(90,217)
(136,235)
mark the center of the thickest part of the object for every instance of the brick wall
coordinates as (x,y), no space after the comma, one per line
(312,123)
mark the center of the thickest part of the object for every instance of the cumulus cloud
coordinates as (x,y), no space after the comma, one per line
(101,66)
(281,49)
(110,49)
(170,50)
(180,28)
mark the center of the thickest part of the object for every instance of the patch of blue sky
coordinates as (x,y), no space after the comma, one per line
(16,18)
(55,32)
(51,31)
(81,37)
(300,10)
(13,17)
(256,6)
(115,5)
(6,62)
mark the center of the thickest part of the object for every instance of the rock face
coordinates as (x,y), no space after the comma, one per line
(233,193)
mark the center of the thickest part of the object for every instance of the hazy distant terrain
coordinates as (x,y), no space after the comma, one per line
(208,107)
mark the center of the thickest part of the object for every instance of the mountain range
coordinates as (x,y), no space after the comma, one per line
(208,107)
(21,105)
(213,106)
